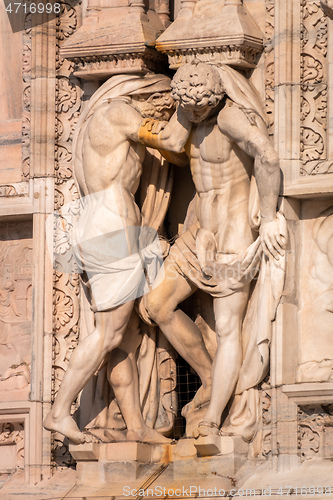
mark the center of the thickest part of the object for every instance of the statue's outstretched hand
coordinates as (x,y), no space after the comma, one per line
(153,126)
(272,241)
(158,126)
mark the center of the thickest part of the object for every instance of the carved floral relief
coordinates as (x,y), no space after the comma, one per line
(26,76)
(314,89)
(266,409)
(269,64)
(66,285)
(314,436)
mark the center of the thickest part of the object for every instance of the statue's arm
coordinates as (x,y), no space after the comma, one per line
(124,118)
(128,122)
(179,159)
(168,136)
(233,122)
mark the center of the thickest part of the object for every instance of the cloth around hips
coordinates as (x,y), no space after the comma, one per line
(223,276)
(113,280)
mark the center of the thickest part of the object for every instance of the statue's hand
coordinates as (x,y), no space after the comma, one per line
(165,247)
(272,241)
(158,126)
(147,124)
(153,126)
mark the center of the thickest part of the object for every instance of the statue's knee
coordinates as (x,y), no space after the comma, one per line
(152,306)
(111,342)
(156,308)
(227,326)
(122,377)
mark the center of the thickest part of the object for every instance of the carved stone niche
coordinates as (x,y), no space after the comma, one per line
(315,437)
(15,310)
(219,32)
(300,425)
(11,447)
(117,37)
(17,413)
(315,317)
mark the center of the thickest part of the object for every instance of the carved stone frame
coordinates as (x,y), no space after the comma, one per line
(30,415)
(290,88)
(31,201)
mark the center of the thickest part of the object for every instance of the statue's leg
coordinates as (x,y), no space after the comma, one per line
(179,329)
(229,313)
(123,377)
(86,358)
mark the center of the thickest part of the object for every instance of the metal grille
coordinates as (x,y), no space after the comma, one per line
(188,382)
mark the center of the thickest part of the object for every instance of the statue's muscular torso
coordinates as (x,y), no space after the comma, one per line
(221,173)
(111,168)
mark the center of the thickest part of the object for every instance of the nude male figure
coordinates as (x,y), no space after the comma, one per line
(221,138)
(111,168)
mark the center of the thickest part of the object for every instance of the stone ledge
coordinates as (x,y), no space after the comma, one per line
(120,452)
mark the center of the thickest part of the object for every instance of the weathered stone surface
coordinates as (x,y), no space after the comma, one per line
(276,55)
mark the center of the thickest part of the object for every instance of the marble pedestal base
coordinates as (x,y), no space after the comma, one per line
(202,457)
(112,462)
(116,468)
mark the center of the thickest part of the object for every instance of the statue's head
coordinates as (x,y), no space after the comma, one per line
(158,105)
(198,88)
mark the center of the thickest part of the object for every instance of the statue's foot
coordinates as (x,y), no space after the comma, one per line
(201,398)
(243,432)
(65,426)
(147,435)
(206,428)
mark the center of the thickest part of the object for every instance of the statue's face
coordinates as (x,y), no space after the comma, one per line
(195,113)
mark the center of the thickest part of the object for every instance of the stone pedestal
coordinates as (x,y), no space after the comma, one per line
(114,466)
(222,455)
(119,452)
(116,461)
(220,445)
(121,468)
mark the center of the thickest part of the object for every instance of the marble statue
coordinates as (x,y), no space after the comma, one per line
(110,245)
(108,167)
(220,123)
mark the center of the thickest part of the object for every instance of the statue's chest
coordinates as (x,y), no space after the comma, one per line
(208,143)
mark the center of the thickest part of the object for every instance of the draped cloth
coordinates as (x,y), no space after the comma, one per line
(155,358)
(241,91)
(256,336)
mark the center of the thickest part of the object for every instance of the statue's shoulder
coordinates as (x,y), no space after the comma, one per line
(228,106)
(112,106)
(115,112)
(230,116)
